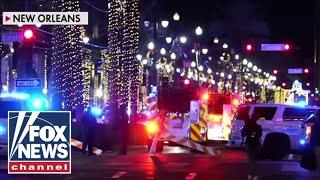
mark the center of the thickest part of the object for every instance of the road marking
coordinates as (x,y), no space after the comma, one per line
(191,176)
(118,174)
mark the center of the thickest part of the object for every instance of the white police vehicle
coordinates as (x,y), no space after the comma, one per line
(274,118)
(16,102)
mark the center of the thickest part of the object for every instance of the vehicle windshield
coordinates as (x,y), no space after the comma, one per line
(297,114)
(6,106)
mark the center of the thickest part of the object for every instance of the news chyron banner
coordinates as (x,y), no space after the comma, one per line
(39,142)
(45,18)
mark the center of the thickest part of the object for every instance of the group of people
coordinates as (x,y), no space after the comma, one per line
(252,133)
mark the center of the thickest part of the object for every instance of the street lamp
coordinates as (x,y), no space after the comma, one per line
(229,76)
(255,68)
(85,39)
(245,62)
(173,56)
(222,74)
(200,68)
(162,51)
(183,39)
(236,57)
(165,24)
(216,40)
(209,71)
(199,31)
(139,57)
(225,46)
(176,16)
(150,45)
(204,51)
(145,61)
(168,40)
(193,64)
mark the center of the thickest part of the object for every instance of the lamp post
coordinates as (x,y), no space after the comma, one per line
(198,32)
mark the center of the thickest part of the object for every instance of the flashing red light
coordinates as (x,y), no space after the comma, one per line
(235,102)
(152,127)
(186,82)
(284,84)
(275,71)
(28,34)
(205,96)
(249,47)
(306,70)
(286,47)
(308,84)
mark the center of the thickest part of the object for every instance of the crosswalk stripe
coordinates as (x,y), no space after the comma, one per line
(119,174)
(191,176)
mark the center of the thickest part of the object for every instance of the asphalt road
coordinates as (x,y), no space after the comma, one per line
(174,163)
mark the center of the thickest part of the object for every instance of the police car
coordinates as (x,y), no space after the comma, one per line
(274,118)
(16,102)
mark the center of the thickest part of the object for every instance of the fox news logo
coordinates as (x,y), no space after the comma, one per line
(39,142)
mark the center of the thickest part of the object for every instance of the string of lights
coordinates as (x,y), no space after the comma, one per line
(67,77)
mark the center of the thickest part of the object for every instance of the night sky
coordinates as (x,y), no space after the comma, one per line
(235,21)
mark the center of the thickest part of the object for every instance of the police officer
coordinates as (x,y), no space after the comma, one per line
(88,127)
(252,133)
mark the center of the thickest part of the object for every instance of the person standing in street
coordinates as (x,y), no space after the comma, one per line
(88,127)
(314,120)
(252,133)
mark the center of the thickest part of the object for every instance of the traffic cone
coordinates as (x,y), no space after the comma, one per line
(153,148)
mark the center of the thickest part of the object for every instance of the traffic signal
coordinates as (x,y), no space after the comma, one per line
(249,47)
(28,34)
(284,84)
(287,47)
(275,71)
(306,71)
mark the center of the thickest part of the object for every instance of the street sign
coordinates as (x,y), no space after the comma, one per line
(33,83)
(11,37)
(295,71)
(273,47)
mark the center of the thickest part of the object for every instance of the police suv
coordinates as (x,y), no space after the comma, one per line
(276,119)
(16,102)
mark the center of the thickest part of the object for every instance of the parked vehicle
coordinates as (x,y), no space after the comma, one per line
(278,121)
